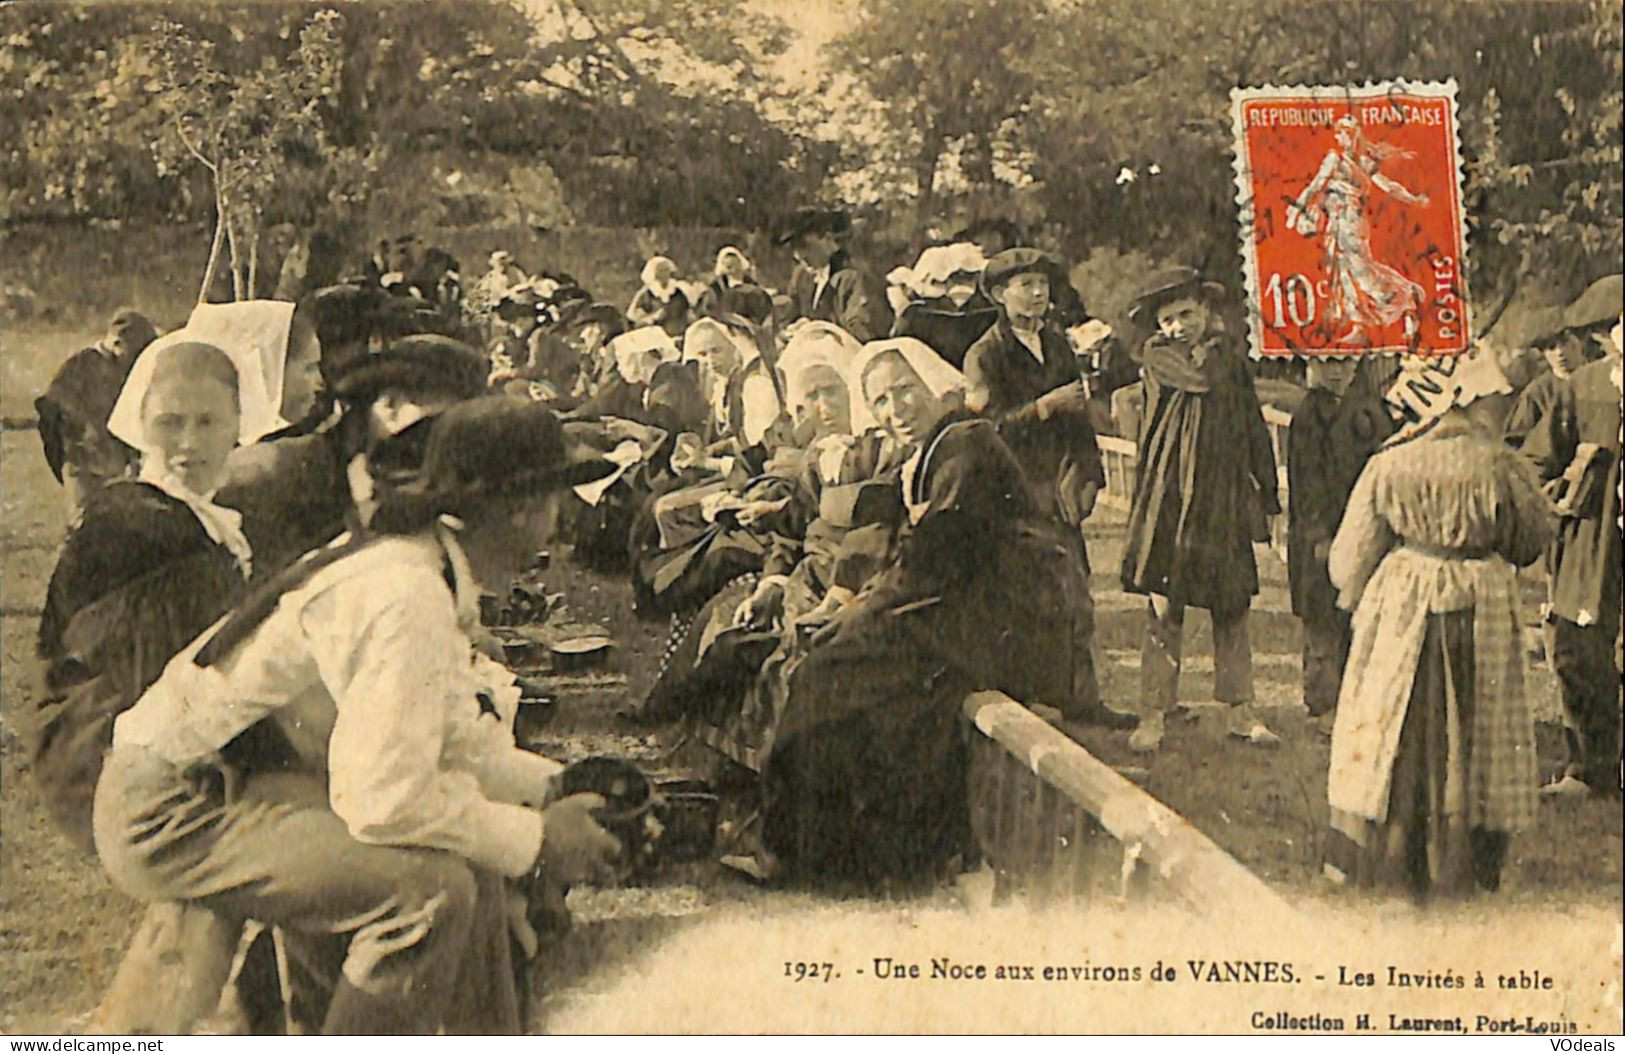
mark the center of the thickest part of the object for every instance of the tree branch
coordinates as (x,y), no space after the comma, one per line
(566,88)
(186,141)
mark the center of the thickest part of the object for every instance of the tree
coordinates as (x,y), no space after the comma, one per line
(957,80)
(660,111)
(247,129)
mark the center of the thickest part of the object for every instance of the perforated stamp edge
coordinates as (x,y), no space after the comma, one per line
(1445,89)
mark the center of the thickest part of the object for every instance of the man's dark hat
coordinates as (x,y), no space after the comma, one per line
(1005,229)
(1006,265)
(1168,285)
(752,302)
(344,314)
(607,315)
(422,362)
(834,222)
(134,329)
(1538,327)
(496,446)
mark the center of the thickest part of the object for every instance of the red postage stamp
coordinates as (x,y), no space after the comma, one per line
(1352,232)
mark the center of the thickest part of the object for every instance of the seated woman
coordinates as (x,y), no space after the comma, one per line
(589,330)
(649,399)
(717,539)
(152,564)
(661,300)
(857,740)
(726,518)
(949,313)
(733,274)
(740,394)
(636,356)
(731,422)
(382,850)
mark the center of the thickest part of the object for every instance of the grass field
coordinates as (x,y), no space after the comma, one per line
(62,927)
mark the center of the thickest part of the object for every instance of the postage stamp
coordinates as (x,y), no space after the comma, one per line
(1353,236)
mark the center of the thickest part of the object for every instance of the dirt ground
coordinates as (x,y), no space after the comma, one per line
(62,927)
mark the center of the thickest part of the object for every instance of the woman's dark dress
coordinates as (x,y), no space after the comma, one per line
(946,328)
(865,767)
(136,582)
(671,314)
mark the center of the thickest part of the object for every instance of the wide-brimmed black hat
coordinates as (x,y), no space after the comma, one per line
(1172,284)
(606,315)
(489,448)
(344,314)
(1601,302)
(835,222)
(422,362)
(1005,229)
(1023,260)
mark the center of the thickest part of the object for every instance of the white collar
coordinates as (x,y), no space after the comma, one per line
(224,526)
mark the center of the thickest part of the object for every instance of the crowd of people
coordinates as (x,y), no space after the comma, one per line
(268,696)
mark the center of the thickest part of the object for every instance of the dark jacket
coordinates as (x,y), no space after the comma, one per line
(293,495)
(1585,560)
(73,416)
(1327,446)
(945,328)
(1205,481)
(1059,454)
(138,579)
(845,300)
(1531,407)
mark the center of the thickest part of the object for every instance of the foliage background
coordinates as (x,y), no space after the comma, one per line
(1101,125)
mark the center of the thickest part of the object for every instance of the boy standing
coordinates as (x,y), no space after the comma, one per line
(1333,432)
(1205,487)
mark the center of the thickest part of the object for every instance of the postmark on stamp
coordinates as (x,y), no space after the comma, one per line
(1353,238)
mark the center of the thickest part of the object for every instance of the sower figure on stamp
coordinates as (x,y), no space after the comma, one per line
(1366,293)
(383,849)
(1205,488)
(1333,432)
(1577,449)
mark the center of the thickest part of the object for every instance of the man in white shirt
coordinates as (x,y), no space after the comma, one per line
(406,807)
